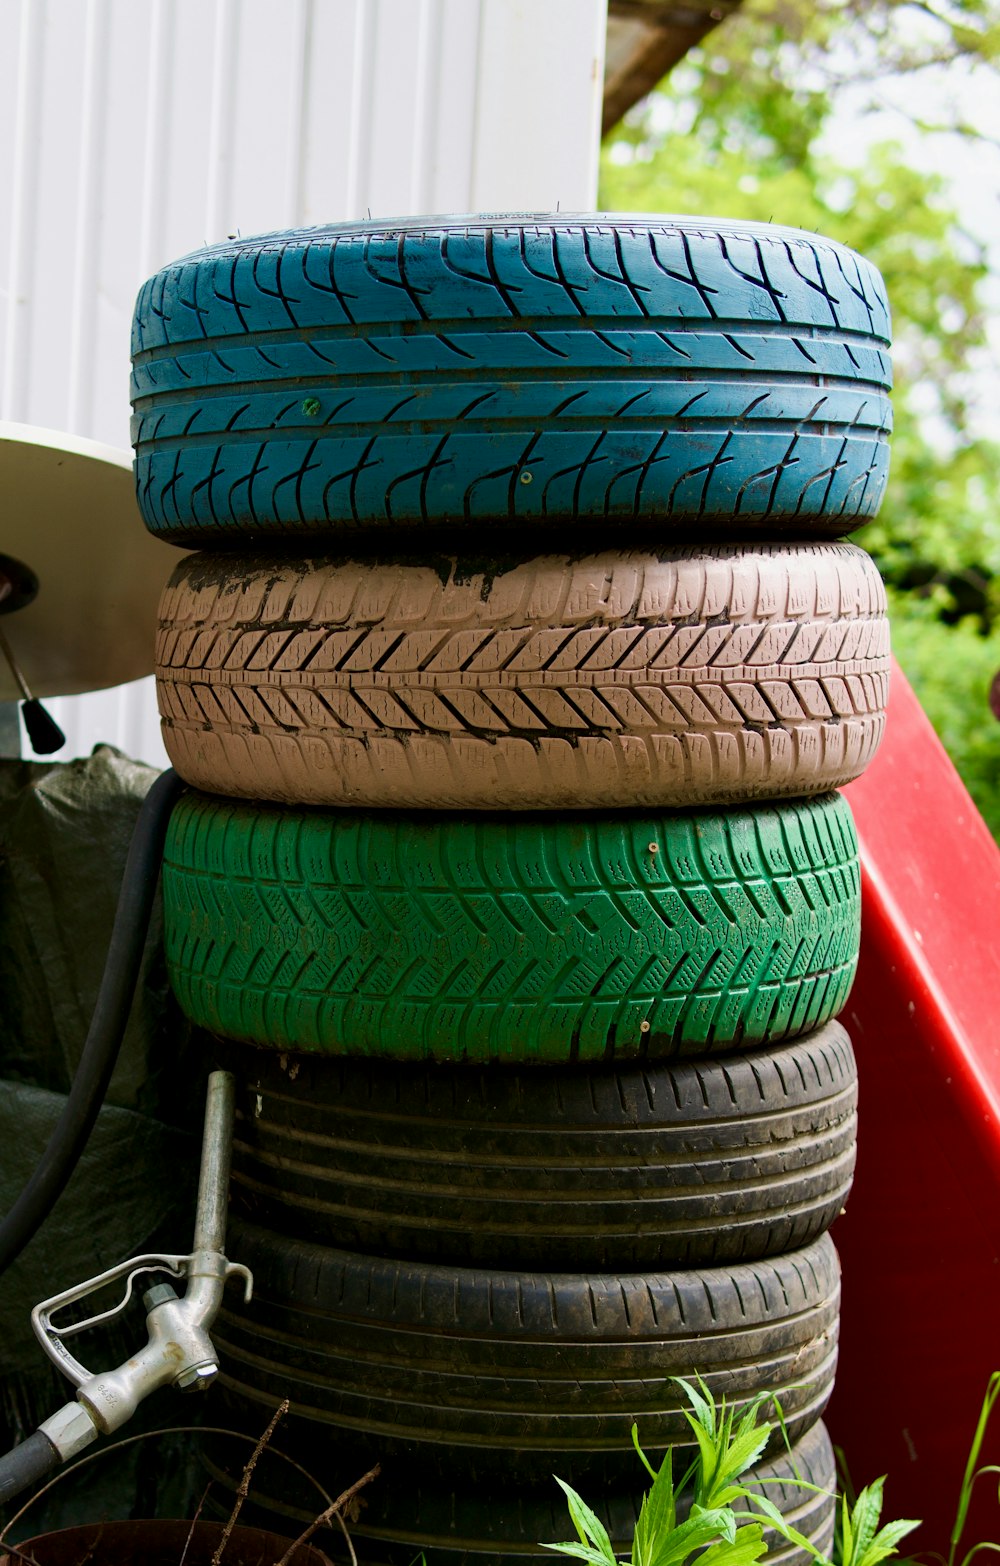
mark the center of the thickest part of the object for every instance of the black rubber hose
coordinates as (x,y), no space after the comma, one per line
(100,1051)
(26,1464)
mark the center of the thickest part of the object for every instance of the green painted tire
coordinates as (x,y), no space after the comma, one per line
(547,938)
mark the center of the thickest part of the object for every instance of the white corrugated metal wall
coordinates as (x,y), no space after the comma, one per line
(136,132)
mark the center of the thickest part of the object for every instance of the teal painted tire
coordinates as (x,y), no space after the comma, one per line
(522,938)
(526,369)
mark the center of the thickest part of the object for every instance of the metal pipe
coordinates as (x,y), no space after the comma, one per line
(216,1153)
(179,1349)
(15,667)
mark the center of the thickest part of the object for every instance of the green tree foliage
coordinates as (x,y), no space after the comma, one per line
(746,127)
(951,668)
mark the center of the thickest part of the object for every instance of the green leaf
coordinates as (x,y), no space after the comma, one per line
(864,1518)
(750,1418)
(657,1515)
(708,1454)
(886,1541)
(747,1546)
(645,1460)
(702,1405)
(588,1525)
(984,1544)
(582,1552)
(728,1494)
(846,1541)
(780,1526)
(692,1534)
(725,1519)
(861,1543)
(743,1452)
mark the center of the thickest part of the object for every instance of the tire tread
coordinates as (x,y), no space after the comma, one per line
(511,937)
(576,345)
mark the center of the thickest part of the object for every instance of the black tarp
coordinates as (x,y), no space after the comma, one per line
(65,829)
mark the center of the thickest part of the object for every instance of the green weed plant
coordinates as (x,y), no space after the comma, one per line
(974,1472)
(708,1528)
(711,1530)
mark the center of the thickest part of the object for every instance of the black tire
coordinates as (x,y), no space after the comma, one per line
(668,677)
(515,1374)
(599,1168)
(400,1520)
(520,938)
(688,371)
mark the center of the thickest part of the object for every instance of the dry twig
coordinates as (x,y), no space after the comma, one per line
(12,1549)
(194,1523)
(144,1435)
(334,1510)
(347,1540)
(244,1488)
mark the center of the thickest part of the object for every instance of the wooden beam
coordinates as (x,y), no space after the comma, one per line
(646,39)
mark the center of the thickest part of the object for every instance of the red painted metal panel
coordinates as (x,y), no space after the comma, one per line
(920,1242)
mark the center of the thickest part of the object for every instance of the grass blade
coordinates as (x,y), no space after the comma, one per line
(968,1479)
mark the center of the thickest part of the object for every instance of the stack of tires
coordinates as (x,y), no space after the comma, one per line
(514,688)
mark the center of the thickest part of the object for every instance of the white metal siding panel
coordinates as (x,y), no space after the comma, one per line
(531,54)
(452,128)
(139,132)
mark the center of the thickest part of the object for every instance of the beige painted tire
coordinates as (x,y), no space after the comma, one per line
(674,678)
